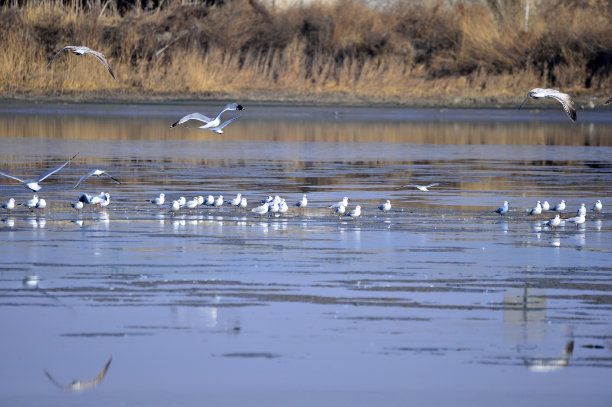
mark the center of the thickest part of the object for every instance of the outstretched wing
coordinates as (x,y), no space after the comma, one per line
(566,101)
(222,125)
(192,116)
(102,59)
(433,185)
(55,382)
(54,170)
(69,47)
(109,176)
(98,379)
(84,177)
(10,176)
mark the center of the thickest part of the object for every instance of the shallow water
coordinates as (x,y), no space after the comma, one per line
(439,302)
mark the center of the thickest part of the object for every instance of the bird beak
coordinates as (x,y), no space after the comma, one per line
(523,102)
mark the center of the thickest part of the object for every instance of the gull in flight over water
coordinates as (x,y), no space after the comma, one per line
(566,100)
(78,385)
(96,173)
(210,123)
(82,50)
(423,188)
(218,129)
(32,184)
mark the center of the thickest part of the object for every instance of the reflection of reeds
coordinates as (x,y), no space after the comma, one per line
(341,50)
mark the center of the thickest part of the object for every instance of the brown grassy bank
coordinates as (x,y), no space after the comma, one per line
(406,52)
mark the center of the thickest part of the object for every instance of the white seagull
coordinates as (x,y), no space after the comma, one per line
(355,212)
(96,173)
(236,201)
(577,220)
(502,210)
(597,206)
(176,206)
(340,210)
(218,202)
(10,205)
(343,202)
(243,202)
(159,200)
(210,123)
(563,98)
(554,222)
(41,204)
(31,203)
(219,128)
(210,200)
(32,184)
(261,209)
(537,210)
(283,207)
(423,188)
(386,207)
(182,201)
(560,207)
(78,205)
(581,211)
(302,203)
(545,206)
(82,50)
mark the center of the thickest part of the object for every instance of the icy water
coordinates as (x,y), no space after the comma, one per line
(439,302)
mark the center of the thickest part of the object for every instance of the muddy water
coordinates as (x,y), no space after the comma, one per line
(438,302)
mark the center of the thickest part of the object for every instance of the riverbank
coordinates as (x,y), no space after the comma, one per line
(409,54)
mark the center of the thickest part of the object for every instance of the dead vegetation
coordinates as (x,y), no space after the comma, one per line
(406,52)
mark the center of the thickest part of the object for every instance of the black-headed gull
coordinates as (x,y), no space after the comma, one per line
(554,222)
(597,206)
(355,213)
(82,50)
(502,210)
(385,207)
(560,207)
(210,122)
(343,202)
(302,203)
(32,184)
(537,211)
(563,98)
(95,173)
(31,203)
(158,200)
(9,205)
(41,204)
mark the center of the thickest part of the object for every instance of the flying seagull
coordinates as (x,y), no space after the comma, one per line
(423,188)
(96,173)
(210,123)
(566,100)
(81,50)
(218,129)
(78,385)
(33,183)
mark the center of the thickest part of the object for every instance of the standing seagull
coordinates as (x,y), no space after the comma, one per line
(210,123)
(537,211)
(560,207)
(159,200)
(96,173)
(502,210)
(10,205)
(565,99)
(423,188)
(386,207)
(355,213)
(597,206)
(32,184)
(81,50)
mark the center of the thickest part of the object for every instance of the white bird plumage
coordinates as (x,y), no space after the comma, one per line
(566,100)
(423,188)
(597,206)
(95,173)
(32,184)
(9,205)
(502,210)
(159,200)
(82,50)
(355,213)
(560,207)
(385,207)
(210,122)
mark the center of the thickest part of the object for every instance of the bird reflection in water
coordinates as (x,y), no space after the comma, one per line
(548,365)
(78,385)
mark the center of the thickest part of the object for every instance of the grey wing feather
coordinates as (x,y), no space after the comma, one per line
(222,125)
(114,179)
(192,116)
(10,176)
(433,185)
(567,103)
(69,47)
(54,381)
(98,379)
(53,171)
(84,177)
(102,59)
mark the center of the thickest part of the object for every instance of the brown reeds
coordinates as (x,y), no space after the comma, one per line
(410,52)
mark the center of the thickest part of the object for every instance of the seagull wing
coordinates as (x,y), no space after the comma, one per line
(192,116)
(53,171)
(109,176)
(69,47)
(15,178)
(433,185)
(567,102)
(222,125)
(102,59)
(98,379)
(607,102)
(55,382)
(84,177)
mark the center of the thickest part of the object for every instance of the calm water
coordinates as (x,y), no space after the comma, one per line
(439,302)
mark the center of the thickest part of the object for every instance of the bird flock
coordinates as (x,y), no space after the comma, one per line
(270,205)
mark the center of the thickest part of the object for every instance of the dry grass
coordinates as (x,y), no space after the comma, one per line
(340,51)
